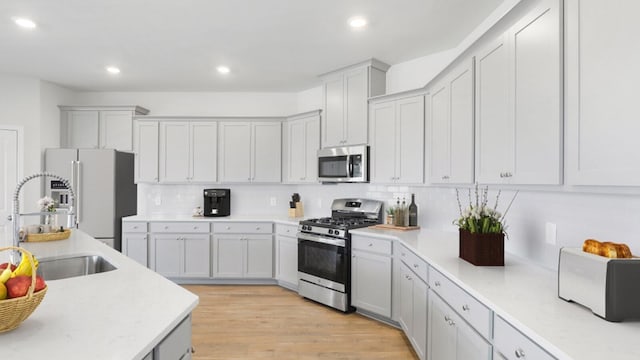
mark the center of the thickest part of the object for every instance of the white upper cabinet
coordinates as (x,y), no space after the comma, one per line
(303,142)
(145,146)
(450,130)
(98,127)
(346,92)
(602,76)
(250,151)
(188,151)
(519,102)
(397,141)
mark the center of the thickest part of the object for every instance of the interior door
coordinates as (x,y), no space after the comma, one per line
(8,178)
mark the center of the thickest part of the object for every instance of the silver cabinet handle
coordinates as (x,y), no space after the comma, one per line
(416,266)
(445,177)
(465,307)
(437,283)
(370,244)
(519,353)
(228,227)
(166,228)
(195,228)
(447,318)
(258,228)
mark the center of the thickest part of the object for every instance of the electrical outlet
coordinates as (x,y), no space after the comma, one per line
(319,203)
(273,201)
(551,233)
(158,200)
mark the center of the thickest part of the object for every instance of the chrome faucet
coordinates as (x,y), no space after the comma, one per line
(15,215)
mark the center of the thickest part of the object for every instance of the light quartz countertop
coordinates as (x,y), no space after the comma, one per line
(234,218)
(525,295)
(120,314)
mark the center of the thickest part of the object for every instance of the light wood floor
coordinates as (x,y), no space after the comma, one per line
(269,322)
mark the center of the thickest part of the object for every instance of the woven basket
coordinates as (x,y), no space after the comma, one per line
(14,311)
(60,235)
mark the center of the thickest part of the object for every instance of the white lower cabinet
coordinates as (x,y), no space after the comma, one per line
(413,309)
(450,337)
(511,344)
(180,249)
(371,275)
(242,256)
(176,345)
(135,242)
(287,256)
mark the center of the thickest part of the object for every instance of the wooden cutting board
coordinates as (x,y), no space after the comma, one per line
(393,227)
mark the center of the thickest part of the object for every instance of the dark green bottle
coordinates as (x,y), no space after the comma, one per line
(413,211)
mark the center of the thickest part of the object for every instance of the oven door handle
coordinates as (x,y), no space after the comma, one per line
(321,239)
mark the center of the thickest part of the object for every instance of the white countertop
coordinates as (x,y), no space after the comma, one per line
(120,314)
(234,218)
(525,295)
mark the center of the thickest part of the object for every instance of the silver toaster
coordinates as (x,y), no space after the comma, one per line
(609,287)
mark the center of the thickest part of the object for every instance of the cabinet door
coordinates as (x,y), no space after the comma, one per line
(287,259)
(494,128)
(420,315)
(196,255)
(602,80)
(135,246)
(383,142)
(410,140)
(267,152)
(166,254)
(536,43)
(83,129)
(356,95)
(296,169)
(312,139)
(174,151)
(469,344)
(203,151)
(334,117)
(235,152)
(259,256)
(371,282)
(116,130)
(228,255)
(146,149)
(442,333)
(440,134)
(406,300)
(461,136)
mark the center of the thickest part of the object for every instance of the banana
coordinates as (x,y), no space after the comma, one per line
(24,268)
(5,275)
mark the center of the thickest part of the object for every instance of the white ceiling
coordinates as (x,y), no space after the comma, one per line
(175,45)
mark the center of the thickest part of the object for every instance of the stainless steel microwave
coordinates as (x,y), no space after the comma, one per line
(344,164)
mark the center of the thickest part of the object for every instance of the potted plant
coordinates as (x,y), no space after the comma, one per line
(482,229)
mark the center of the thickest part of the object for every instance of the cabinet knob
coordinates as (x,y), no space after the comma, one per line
(258,228)
(195,228)
(447,318)
(228,227)
(437,283)
(445,177)
(166,228)
(416,266)
(465,307)
(370,244)
(135,227)
(519,353)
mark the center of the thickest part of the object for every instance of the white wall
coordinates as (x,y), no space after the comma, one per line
(199,103)
(417,73)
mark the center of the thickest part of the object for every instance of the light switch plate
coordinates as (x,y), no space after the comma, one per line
(551,233)
(273,201)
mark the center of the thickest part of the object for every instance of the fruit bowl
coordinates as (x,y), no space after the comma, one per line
(14,311)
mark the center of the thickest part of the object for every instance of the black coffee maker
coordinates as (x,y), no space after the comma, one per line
(217,202)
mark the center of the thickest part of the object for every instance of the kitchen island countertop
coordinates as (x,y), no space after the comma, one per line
(120,314)
(526,295)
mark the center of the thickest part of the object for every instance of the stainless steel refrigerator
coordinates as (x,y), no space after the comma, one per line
(103,180)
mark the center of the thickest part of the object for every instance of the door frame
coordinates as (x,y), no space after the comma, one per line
(19,157)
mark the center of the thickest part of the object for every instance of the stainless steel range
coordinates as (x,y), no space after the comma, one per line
(324,251)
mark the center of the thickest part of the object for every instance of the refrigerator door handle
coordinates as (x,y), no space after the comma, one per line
(78,189)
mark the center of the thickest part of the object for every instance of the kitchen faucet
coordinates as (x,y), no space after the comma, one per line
(15,215)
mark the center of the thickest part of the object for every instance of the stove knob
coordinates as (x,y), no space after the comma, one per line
(330,232)
(336,232)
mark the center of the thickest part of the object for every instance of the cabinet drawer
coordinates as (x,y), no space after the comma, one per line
(134,227)
(380,246)
(179,227)
(514,345)
(414,262)
(243,228)
(287,230)
(472,310)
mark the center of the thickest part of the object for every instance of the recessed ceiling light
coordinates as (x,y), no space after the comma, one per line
(223,69)
(25,23)
(357,22)
(113,70)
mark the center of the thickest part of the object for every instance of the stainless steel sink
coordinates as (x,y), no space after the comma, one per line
(72,266)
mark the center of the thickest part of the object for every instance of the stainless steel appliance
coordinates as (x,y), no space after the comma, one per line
(609,287)
(103,180)
(217,202)
(324,251)
(344,164)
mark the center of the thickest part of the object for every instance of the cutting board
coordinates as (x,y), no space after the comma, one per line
(393,227)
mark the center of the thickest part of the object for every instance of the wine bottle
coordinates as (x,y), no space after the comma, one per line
(413,211)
